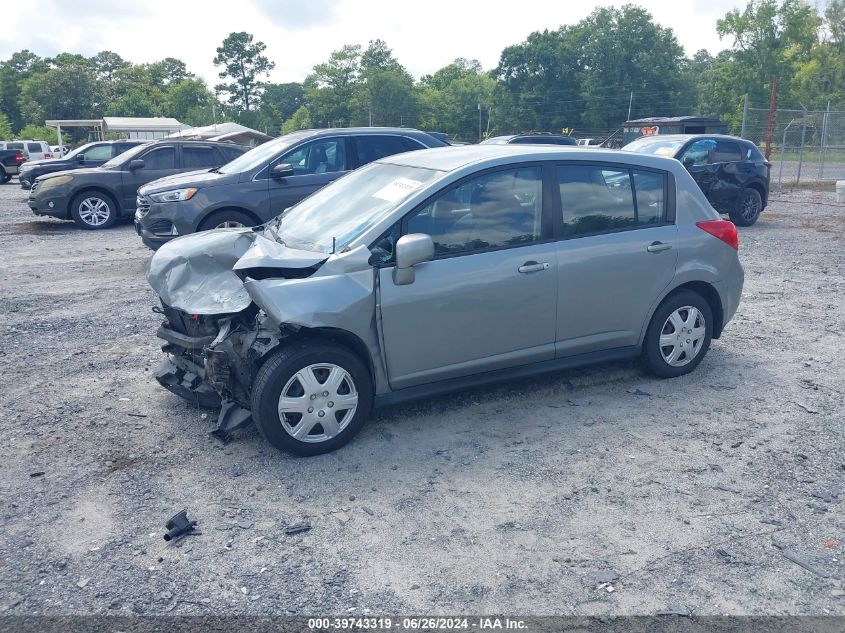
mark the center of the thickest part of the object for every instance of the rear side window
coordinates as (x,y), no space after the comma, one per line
(100,152)
(160,158)
(14,146)
(230,153)
(199,157)
(726,152)
(33,147)
(119,148)
(596,199)
(373,147)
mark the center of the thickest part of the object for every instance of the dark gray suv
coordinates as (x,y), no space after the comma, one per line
(265,181)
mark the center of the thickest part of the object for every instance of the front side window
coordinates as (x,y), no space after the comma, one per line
(318,157)
(494,210)
(99,152)
(596,199)
(199,157)
(699,153)
(160,158)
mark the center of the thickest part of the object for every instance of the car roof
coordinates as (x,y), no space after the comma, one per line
(687,137)
(344,131)
(196,142)
(454,157)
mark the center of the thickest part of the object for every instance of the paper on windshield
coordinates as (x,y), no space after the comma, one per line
(397,189)
(665,151)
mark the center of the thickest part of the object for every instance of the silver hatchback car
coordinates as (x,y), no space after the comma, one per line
(439,270)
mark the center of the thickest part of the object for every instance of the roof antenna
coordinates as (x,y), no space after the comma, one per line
(334,245)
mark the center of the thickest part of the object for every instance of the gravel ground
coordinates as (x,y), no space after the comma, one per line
(591,492)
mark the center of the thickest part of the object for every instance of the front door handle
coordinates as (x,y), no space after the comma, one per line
(533,267)
(658,247)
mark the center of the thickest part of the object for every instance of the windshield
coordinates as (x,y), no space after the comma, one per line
(261,155)
(344,209)
(128,155)
(657,146)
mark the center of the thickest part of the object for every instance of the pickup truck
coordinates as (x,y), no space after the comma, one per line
(10,162)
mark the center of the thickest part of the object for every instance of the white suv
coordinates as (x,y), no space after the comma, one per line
(32,150)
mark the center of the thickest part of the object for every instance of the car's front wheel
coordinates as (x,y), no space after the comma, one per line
(93,210)
(227,220)
(679,335)
(749,205)
(311,398)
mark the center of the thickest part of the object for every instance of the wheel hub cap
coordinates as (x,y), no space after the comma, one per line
(682,336)
(318,402)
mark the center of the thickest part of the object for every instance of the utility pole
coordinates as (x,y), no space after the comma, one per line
(630,103)
(479,121)
(371,116)
(773,111)
(744,115)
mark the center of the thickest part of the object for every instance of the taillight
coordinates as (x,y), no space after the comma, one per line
(19,158)
(723,229)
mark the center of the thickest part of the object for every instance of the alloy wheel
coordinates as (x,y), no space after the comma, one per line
(750,207)
(318,402)
(229,224)
(682,336)
(94,211)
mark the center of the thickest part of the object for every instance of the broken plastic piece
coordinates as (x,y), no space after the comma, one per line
(179,525)
(231,417)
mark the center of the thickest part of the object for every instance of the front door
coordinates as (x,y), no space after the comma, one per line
(315,164)
(617,254)
(159,161)
(488,299)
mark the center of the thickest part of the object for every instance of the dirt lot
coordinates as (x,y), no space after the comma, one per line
(600,491)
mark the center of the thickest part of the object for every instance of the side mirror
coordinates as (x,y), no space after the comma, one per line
(282,170)
(79,157)
(136,164)
(411,250)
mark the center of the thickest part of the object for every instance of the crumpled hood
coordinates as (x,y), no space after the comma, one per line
(201,178)
(195,273)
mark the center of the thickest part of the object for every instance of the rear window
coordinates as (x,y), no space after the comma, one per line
(377,146)
(33,147)
(726,152)
(14,146)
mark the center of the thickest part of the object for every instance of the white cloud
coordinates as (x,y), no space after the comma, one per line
(301,33)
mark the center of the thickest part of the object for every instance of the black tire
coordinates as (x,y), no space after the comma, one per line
(4,177)
(652,353)
(280,369)
(218,218)
(93,199)
(749,206)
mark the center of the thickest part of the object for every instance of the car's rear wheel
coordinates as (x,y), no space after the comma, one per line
(679,335)
(311,398)
(227,220)
(93,210)
(749,205)
(4,177)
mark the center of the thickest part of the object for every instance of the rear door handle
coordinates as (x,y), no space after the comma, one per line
(533,267)
(658,247)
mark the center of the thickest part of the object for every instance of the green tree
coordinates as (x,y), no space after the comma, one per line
(450,97)
(243,63)
(5,128)
(39,133)
(106,63)
(278,103)
(13,72)
(189,101)
(330,88)
(384,93)
(300,120)
(69,92)
(133,92)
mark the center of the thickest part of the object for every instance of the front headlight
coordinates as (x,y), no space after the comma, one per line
(55,182)
(176,195)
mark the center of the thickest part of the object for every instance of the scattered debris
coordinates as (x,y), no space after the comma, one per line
(341,516)
(722,387)
(806,408)
(178,526)
(368,510)
(638,392)
(37,473)
(790,555)
(297,529)
(831,543)
(137,415)
(83,582)
(604,576)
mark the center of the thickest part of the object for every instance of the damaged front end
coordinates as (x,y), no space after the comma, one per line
(223,296)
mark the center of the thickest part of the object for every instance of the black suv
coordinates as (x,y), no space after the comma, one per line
(265,181)
(531,138)
(95,198)
(731,171)
(90,155)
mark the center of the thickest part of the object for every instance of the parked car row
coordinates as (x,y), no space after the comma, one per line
(32,150)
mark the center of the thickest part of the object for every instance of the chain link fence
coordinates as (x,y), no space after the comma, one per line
(807,145)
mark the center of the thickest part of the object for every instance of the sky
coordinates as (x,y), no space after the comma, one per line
(302,33)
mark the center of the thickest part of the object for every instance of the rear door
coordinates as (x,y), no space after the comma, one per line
(96,155)
(200,157)
(159,161)
(698,158)
(371,147)
(315,164)
(615,255)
